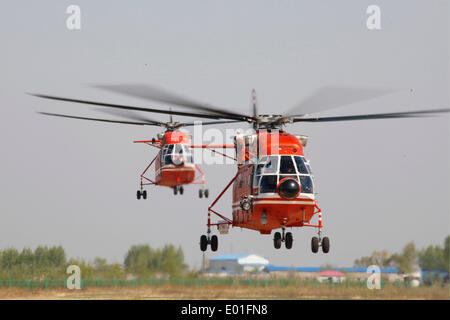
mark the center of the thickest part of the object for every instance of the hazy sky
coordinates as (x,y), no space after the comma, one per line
(73,183)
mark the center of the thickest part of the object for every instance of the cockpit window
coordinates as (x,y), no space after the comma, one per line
(268,184)
(188,154)
(176,149)
(268,165)
(267,175)
(286,165)
(301,165)
(306,184)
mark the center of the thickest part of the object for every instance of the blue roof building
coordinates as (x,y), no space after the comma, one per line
(237,263)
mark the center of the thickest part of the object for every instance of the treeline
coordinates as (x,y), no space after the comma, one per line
(51,263)
(432,258)
(144,261)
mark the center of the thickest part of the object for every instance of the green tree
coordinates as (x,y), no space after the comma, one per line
(407,260)
(143,261)
(173,261)
(86,269)
(435,257)
(446,254)
(379,258)
(107,271)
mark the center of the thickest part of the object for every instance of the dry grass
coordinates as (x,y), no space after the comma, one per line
(172,292)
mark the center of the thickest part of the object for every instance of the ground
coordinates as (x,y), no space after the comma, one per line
(173,292)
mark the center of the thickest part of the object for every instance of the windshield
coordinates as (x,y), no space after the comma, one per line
(286,165)
(168,151)
(268,184)
(267,175)
(306,184)
(268,165)
(301,165)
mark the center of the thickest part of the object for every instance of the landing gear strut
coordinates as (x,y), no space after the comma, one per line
(287,238)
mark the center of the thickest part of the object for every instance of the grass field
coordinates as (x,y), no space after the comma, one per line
(172,292)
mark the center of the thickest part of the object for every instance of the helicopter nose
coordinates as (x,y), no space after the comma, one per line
(289,188)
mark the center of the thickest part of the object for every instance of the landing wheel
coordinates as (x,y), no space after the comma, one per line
(181,189)
(138,195)
(175,190)
(288,240)
(200,193)
(277,240)
(315,244)
(214,243)
(325,245)
(203,243)
(206,193)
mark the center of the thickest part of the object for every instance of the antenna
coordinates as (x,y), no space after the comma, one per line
(255,107)
(255,124)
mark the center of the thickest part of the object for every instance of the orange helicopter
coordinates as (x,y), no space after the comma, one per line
(174,164)
(273,187)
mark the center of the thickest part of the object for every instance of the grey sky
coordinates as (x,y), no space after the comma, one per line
(381,183)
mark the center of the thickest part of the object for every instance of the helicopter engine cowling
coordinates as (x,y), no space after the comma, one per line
(289,188)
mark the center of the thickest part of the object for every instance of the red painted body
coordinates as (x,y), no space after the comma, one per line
(296,212)
(171,175)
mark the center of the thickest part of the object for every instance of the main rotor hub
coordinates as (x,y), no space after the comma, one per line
(271,121)
(264,118)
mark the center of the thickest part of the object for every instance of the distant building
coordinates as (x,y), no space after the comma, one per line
(430,276)
(413,279)
(310,273)
(305,273)
(331,276)
(237,263)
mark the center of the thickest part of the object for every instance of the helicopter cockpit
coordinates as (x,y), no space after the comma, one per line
(176,154)
(272,169)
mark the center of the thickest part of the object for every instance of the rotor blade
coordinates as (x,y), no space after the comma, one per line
(130,115)
(95,119)
(155,94)
(185,124)
(407,114)
(117,106)
(327,98)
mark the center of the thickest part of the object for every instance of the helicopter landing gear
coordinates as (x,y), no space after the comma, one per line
(178,189)
(287,238)
(288,241)
(203,192)
(317,242)
(213,241)
(141,193)
(277,240)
